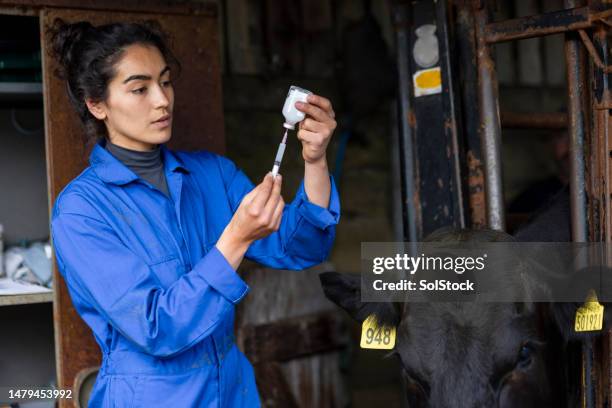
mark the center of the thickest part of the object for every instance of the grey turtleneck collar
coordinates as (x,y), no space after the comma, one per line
(147,165)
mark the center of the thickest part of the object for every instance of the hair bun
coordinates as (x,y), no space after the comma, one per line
(64,39)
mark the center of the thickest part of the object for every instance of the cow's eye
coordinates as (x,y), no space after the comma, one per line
(524,355)
(415,383)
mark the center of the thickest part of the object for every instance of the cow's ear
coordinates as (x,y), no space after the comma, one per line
(564,314)
(345,291)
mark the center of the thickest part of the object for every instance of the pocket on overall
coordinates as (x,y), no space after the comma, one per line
(123,391)
(168,271)
(194,388)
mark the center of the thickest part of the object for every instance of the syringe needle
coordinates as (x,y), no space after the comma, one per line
(279,155)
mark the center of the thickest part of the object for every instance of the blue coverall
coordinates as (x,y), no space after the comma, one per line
(143,272)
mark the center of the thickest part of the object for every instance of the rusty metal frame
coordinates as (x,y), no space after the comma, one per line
(490,127)
(588,44)
(539,25)
(430,130)
(596,358)
(556,22)
(540,120)
(474,179)
(576,102)
(410,207)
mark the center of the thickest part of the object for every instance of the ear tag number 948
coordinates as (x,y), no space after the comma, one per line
(374,336)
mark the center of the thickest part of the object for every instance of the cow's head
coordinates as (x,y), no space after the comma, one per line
(472,354)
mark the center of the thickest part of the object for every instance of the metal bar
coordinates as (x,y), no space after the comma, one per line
(451,116)
(588,396)
(576,104)
(588,44)
(539,120)
(490,129)
(539,25)
(467,59)
(407,145)
(596,381)
(602,123)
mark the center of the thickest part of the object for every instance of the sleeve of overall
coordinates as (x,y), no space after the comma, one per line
(126,292)
(306,233)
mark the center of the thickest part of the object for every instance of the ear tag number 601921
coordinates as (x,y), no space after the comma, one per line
(589,317)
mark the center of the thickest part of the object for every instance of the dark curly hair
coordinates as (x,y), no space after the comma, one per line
(87,56)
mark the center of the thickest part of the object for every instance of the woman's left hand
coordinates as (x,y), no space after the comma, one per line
(317,128)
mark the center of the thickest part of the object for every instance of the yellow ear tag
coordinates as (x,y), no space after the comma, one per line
(589,317)
(378,337)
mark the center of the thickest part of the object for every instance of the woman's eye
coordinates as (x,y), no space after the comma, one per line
(166,83)
(139,90)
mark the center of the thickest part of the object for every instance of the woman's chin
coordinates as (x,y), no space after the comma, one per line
(159,137)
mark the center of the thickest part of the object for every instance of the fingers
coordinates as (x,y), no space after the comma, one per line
(314,111)
(261,195)
(310,138)
(323,103)
(320,101)
(278,214)
(314,126)
(274,195)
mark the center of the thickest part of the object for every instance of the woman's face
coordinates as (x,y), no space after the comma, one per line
(138,109)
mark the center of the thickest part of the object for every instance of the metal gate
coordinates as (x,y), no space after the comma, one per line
(462,135)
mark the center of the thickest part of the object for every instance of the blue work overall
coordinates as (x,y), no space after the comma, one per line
(143,272)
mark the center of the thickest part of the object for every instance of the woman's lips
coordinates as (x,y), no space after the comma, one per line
(160,124)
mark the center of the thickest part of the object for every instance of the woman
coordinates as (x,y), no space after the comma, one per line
(148,240)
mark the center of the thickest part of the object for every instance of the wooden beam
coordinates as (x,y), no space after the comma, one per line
(205,8)
(287,339)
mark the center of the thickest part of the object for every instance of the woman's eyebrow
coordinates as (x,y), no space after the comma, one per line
(144,77)
(163,71)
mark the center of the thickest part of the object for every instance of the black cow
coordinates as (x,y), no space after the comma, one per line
(469,355)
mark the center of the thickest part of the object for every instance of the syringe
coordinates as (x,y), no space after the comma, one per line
(292,117)
(279,155)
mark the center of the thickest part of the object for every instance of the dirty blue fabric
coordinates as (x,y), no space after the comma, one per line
(143,272)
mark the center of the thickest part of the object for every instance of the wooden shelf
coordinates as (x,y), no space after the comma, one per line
(20,91)
(11,300)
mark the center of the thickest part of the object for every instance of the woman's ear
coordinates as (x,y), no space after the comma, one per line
(97,109)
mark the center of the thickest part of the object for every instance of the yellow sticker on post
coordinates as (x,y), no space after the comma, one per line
(378,337)
(589,317)
(427,82)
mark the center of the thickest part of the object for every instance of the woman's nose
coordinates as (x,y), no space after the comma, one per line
(161,98)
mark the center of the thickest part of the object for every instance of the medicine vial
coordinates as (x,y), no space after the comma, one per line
(291,114)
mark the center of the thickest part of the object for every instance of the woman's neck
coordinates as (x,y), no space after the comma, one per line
(135,158)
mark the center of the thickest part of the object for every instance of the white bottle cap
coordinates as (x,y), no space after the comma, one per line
(289,126)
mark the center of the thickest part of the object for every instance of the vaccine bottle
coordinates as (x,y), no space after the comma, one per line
(291,114)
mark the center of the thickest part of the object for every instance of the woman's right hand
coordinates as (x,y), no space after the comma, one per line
(260,211)
(258,215)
